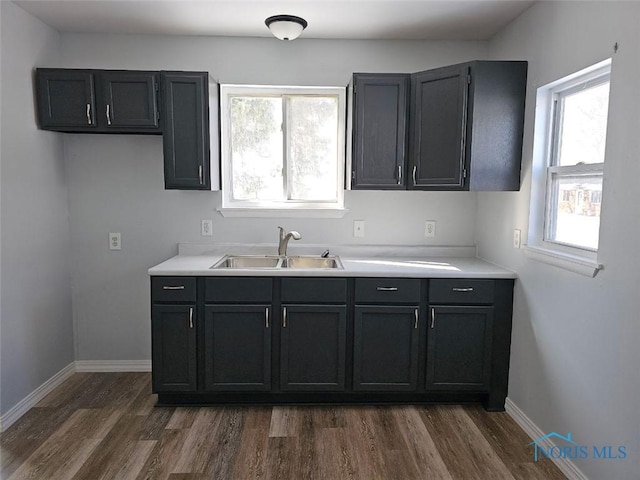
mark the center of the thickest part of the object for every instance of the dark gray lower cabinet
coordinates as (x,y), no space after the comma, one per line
(459,348)
(313,348)
(174,354)
(237,341)
(385,348)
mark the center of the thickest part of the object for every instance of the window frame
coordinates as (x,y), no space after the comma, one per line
(541,246)
(290,207)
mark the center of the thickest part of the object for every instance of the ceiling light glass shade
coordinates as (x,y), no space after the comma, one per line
(286,27)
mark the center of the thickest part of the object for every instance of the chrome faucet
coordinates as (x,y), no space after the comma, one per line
(284,240)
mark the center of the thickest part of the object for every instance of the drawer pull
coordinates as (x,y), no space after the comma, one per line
(387,289)
(266,317)
(433,317)
(468,289)
(284,317)
(190,317)
(171,287)
(415,325)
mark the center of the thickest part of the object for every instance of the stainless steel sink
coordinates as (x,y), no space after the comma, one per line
(312,262)
(249,261)
(278,262)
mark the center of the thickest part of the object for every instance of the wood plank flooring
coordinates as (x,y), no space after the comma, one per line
(105,426)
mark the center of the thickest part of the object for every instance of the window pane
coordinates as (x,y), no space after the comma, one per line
(575,215)
(313,148)
(583,126)
(256,148)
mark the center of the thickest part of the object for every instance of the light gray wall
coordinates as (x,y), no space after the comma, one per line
(36,322)
(575,356)
(116,182)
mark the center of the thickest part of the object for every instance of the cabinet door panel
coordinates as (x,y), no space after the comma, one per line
(459,348)
(380,131)
(66,98)
(185,130)
(174,348)
(237,348)
(129,99)
(438,118)
(313,347)
(386,344)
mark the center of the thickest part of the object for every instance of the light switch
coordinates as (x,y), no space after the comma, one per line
(358,228)
(206,228)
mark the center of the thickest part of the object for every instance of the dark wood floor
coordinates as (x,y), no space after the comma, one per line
(105,426)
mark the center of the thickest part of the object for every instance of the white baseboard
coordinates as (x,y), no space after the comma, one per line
(24,405)
(566,466)
(113,365)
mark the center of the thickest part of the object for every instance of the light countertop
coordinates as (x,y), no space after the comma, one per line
(389,261)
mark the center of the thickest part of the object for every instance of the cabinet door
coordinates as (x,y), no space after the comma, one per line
(380,131)
(459,348)
(313,346)
(237,341)
(173,348)
(129,100)
(66,99)
(438,132)
(385,350)
(185,130)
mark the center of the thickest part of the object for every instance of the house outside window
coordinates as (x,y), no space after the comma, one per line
(282,147)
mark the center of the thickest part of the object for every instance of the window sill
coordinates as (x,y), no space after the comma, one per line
(284,212)
(573,263)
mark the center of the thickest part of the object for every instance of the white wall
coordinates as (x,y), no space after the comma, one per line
(35,306)
(575,355)
(116,182)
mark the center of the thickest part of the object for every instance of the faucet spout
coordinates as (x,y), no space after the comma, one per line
(284,240)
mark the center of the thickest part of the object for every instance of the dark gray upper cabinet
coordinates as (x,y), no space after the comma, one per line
(185,129)
(66,99)
(97,101)
(466,126)
(380,117)
(129,99)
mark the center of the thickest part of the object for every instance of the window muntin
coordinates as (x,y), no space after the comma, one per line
(576,160)
(282,147)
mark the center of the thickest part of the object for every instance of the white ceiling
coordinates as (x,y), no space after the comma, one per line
(351,19)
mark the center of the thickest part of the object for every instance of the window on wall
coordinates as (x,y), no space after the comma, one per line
(578,131)
(282,147)
(568,169)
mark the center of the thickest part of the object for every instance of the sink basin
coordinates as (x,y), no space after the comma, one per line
(277,262)
(249,261)
(312,262)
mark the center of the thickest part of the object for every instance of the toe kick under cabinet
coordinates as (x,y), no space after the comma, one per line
(272,340)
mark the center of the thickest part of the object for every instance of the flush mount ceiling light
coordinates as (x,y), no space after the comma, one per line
(286,27)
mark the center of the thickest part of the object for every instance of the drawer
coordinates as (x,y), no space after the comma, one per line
(238,290)
(173,289)
(314,290)
(387,290)
(461,291)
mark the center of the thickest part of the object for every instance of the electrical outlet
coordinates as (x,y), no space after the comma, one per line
(206,228)
(115,241)
(430,229)
(358,228)
(516,238)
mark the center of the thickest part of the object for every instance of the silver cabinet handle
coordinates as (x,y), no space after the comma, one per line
(433,317)
(387,289)
(468,289)
(415,325)
(108,116)
(190,317)
(200,173)
(399,174)
(284,317)
(89,113)
(413,174)
(171,287)
(266,317)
